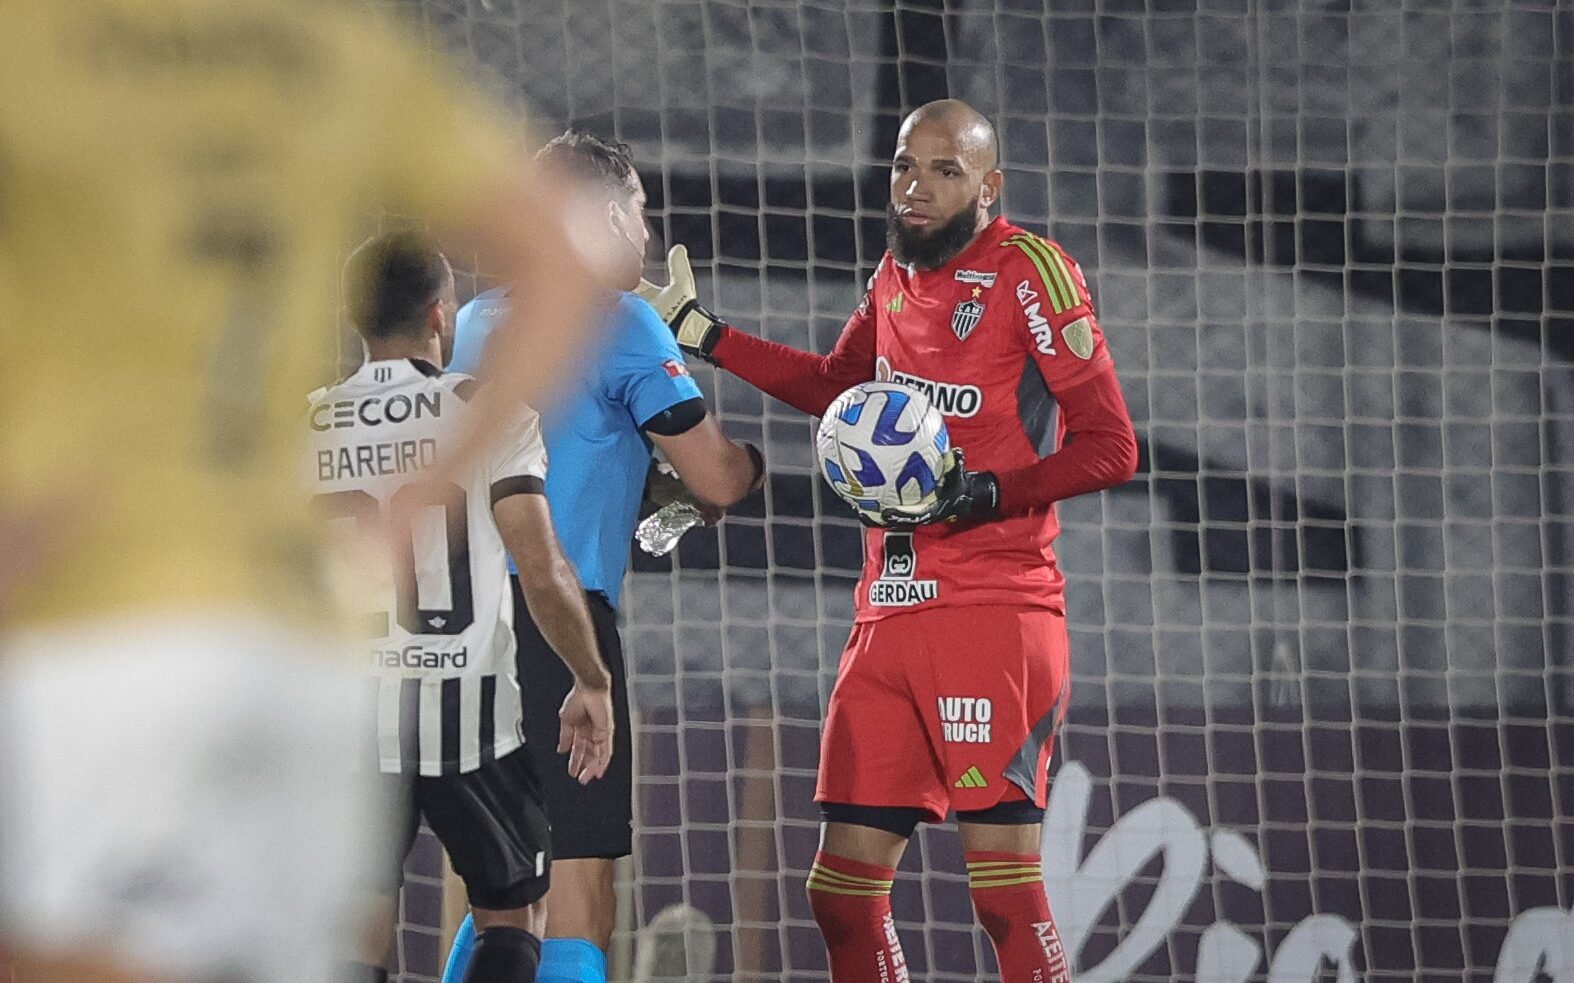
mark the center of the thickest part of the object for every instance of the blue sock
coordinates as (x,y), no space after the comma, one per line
(459,955)
(571,961)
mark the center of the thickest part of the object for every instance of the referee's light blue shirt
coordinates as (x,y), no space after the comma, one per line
(597,456)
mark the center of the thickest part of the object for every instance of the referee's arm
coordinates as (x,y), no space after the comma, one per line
(557,606)
(718,470)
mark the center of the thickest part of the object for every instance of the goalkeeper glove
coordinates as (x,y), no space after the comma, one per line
(678,304)
(960,494)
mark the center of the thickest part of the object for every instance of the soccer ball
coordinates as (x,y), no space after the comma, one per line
(880,445)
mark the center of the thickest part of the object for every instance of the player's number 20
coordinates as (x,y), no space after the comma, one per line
(410,587)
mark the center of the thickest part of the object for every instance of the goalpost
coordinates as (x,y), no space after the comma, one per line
(1323,703)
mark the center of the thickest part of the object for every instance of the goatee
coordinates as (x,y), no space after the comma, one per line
(931,249)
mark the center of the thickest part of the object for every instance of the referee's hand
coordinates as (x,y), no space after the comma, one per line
(585,732)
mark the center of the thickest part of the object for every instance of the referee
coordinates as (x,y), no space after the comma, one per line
(632,394)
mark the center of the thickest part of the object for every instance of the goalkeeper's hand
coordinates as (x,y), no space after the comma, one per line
(960,494)
(678,304)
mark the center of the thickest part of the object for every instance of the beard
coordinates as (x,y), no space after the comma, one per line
(933,248)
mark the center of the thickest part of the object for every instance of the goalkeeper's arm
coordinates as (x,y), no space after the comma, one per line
(1099,452)
(802,380)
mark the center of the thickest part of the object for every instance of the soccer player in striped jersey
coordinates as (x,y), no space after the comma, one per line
(177,711)
(956,674)
(448,702)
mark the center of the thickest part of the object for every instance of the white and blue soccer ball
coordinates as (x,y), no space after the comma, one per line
(880,446)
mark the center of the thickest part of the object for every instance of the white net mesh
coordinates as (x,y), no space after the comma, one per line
(1321,718)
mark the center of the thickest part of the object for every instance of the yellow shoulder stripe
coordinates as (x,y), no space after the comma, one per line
(1060,290)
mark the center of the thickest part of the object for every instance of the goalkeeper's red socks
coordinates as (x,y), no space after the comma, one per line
(851,902)
(1008,894)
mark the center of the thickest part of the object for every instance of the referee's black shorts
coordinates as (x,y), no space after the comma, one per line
(595,820)
(493,824)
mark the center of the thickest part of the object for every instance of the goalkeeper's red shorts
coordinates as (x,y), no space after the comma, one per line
(949,708)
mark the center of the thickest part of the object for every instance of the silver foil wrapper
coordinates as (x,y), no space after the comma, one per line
(660,532)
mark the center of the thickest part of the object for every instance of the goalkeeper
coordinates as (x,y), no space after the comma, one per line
(959,646)
(632,394)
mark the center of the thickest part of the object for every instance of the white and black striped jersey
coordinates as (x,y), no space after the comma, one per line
(444,644)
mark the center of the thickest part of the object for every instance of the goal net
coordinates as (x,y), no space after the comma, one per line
(1322,722)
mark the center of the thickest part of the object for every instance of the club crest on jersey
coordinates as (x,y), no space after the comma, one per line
(966,317)
(976,276)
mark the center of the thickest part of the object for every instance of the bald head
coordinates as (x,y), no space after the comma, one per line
(972,133)
(944,178)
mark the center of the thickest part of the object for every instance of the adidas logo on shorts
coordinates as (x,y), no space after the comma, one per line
(972,778)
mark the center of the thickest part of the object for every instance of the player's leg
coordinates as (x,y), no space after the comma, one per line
(591,825)
(1006,879)
(493,823)
(997,716)
(507,945)
(876,783)
(849,889)
(463,952)
(571,956)
(583,906)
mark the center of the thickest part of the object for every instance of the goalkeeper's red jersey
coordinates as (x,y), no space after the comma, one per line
(991,338)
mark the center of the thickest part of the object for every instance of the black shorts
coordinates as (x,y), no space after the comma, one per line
(595,820)
(493,825)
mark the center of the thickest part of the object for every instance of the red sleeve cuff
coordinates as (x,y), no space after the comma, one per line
(718,352)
